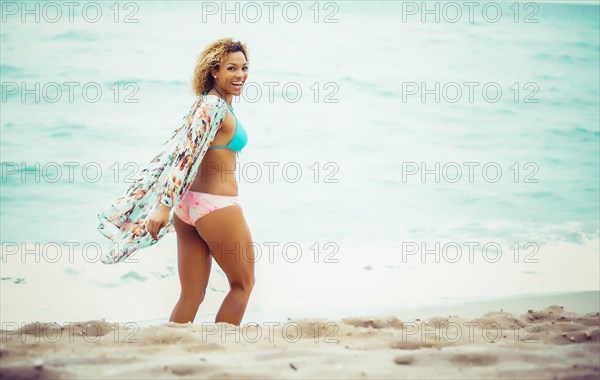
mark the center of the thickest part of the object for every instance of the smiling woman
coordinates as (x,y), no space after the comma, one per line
(207,215)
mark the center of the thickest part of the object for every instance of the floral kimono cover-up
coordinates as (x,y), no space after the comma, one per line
(164,180)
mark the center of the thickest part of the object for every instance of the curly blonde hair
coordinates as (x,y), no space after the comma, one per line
(210,58)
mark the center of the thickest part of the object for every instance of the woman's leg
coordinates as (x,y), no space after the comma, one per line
(229,240)
(193,262)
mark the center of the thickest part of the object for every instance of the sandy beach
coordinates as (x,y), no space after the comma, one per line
(538,343)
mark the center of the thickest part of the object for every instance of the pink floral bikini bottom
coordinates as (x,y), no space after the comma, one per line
(194,205)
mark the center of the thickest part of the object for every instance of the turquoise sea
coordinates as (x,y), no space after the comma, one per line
(369,130)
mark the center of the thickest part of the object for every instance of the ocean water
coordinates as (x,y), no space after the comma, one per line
(351,155)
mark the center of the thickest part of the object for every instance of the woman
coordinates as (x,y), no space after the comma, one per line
(198,181)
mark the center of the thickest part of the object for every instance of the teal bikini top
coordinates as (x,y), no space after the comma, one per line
(240,137)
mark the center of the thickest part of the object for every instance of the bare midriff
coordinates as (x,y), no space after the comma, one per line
(216,174)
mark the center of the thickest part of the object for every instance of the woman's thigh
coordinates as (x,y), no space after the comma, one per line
(230,242)
(193,259)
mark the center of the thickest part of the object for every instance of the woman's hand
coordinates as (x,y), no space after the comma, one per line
(157,220)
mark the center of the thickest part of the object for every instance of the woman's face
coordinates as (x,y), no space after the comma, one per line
(232,73)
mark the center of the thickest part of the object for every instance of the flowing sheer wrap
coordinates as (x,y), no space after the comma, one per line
(164,180)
